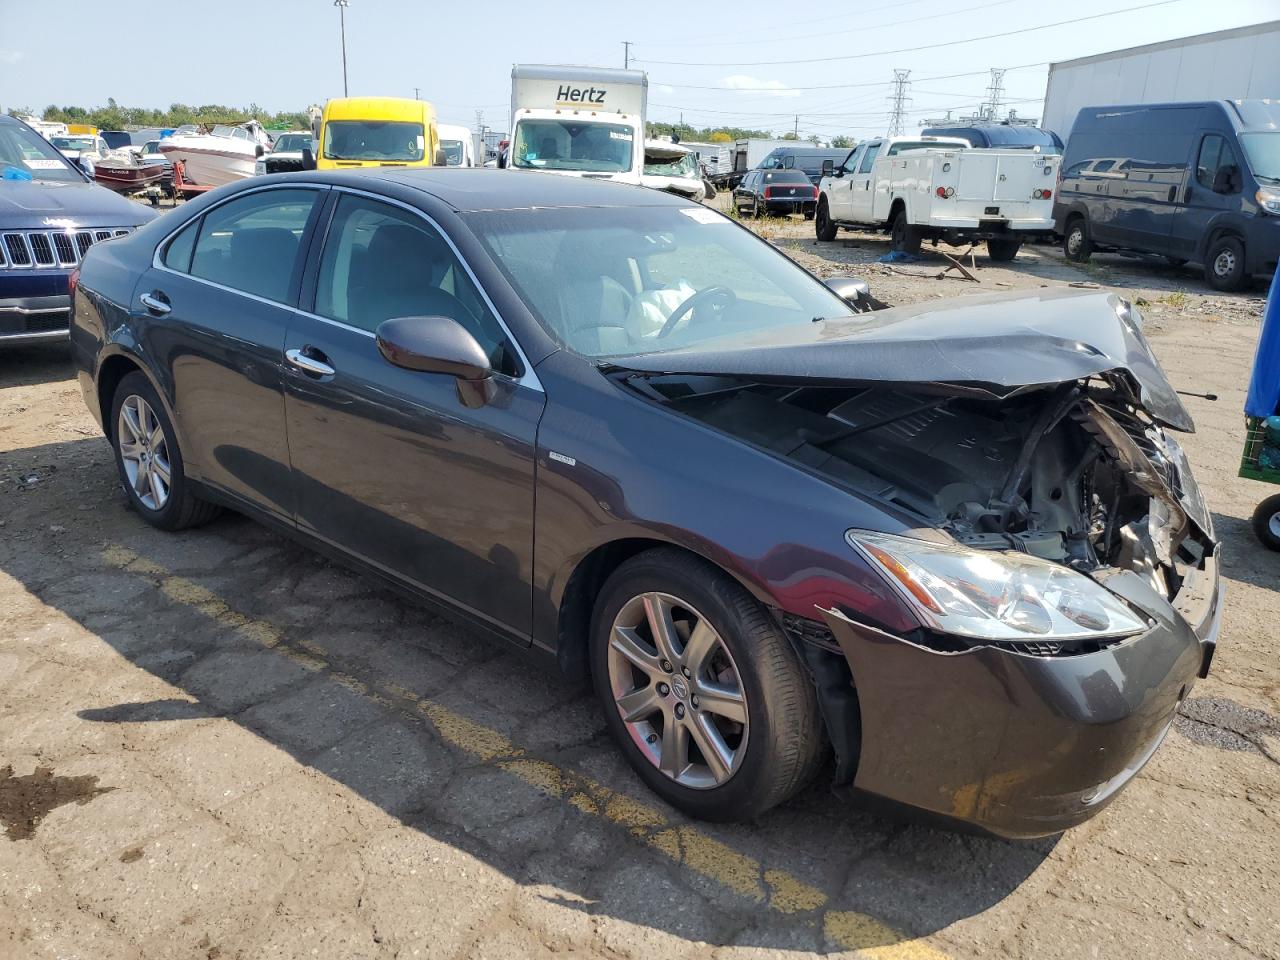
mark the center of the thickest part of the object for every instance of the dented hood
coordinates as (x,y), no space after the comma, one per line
(996,345)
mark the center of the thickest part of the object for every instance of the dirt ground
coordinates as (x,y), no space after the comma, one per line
(217,744)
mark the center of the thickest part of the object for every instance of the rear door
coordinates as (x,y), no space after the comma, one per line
(217,304)
(389,465)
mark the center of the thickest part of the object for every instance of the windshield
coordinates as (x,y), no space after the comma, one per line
(452,152)
(571,145)
(685,165)
(394,140)
(25,151)
(74,143)
(606,281)
(291,142)
(1262,150)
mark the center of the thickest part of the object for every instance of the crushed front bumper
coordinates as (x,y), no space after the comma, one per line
(1017,745)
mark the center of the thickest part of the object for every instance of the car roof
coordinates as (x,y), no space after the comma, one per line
(476,188)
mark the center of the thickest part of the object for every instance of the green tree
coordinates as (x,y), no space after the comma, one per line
(842,142)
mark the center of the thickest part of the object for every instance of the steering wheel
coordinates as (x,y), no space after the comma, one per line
(707,295)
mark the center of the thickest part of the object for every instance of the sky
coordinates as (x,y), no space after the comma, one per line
(286,54)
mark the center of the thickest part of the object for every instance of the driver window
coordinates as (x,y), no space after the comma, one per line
(851,164)
(380,262)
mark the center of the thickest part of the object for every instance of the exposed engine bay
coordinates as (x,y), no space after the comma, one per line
(1076,473)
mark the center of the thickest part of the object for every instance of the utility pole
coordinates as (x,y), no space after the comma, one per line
(991,109)
(342,19)
(416,94)
(626,54)
(899,100)
(797,128)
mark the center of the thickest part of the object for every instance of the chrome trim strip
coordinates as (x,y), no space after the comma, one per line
(9,339)
(529,378)
(31,310)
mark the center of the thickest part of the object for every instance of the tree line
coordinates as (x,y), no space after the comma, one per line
(113,116)
(728,134)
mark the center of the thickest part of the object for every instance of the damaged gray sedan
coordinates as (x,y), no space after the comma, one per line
(956,544)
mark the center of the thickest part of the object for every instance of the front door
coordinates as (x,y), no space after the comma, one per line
(389,465)
(217,310)
(839,188)
(1212,190)
(862,187)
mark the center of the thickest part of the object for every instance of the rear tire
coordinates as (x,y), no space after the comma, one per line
(778,745)
(1224,264)
(1003,250)
(1076,245)
(823,227)
(904,236)
(1266,522)
(149,460)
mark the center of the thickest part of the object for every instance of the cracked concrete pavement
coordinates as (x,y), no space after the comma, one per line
(218,744)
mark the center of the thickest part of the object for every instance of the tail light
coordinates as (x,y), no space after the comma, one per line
(73,280)
(1041,194)
(768,192)
(945,193)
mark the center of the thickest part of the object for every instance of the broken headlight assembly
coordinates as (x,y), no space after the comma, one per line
(996,596)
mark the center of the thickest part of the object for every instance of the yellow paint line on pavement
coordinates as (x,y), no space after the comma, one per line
(683,843)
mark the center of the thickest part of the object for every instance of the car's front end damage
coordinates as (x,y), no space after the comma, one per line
(1054,553)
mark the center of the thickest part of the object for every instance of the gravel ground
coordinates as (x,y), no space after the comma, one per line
(217,744)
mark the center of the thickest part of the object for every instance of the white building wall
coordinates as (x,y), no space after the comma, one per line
(1239,64)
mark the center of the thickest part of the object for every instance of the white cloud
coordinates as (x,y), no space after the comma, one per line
(10,57)
(664,89)
(767,88)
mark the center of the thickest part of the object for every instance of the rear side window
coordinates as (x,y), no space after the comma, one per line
(869,158)
(251,243)
(177,256)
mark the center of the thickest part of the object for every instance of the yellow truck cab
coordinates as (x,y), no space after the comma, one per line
(377,132)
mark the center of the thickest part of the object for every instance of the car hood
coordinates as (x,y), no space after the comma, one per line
(32,204)
(996,345)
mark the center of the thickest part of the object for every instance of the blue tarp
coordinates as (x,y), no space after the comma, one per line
(1264,385)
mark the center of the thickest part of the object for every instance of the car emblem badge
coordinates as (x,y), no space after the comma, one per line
(678,685)
(65,223)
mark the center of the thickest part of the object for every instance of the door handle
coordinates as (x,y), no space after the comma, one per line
(308,364)
(154,303)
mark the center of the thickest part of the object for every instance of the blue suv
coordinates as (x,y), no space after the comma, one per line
(50,214)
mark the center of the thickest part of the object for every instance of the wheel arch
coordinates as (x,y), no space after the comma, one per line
(113,368)
(1218,230)
(587,575)
(899,204)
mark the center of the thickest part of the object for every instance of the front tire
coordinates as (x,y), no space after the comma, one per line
(1266,522)
(701,689)
(149,460)
(823,227)
(1076,245)
(1224,264)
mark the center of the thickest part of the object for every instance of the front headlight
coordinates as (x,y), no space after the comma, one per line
(1268,199)
(995,595)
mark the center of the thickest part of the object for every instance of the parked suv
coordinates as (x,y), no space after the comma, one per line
(1190,181)
(49,217)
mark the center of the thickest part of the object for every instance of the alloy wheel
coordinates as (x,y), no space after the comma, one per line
(1274,525)
(144,451)
(1075,240)
(678,690)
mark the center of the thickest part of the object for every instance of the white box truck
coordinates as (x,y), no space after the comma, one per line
(578,121)
(935,188)
(1238,64)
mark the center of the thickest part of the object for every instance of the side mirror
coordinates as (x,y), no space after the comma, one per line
(308,158)
(828,167)
(854,292)
(439,345)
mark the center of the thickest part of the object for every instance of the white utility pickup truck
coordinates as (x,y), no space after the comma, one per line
(938,188)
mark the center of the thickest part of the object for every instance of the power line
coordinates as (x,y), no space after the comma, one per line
(930,46)
(899,101)
(704,40)
(835,86)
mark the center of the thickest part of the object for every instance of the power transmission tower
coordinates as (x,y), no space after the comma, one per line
(899,101)
(995,92)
